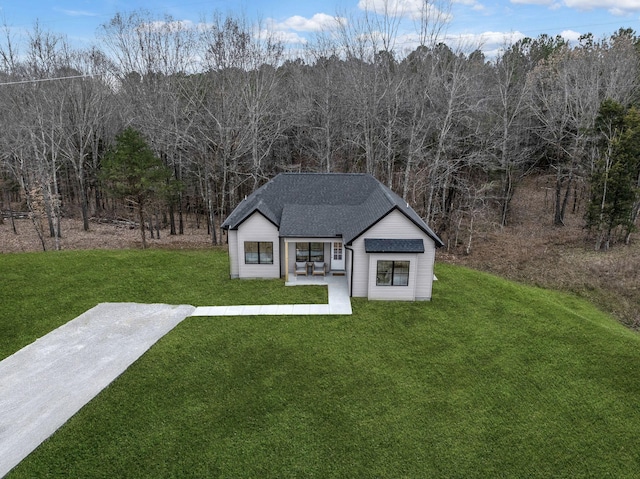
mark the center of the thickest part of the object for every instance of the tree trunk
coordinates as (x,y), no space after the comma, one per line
(84,204)
(558,219)
(172,219)
(143,233)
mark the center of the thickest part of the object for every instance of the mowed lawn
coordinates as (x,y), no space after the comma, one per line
(490,379)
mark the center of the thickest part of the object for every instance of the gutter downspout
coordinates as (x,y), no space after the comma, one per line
(350,278)
(286,259)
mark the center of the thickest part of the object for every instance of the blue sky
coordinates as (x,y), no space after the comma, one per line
(479,23)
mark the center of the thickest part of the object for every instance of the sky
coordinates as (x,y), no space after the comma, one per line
(484,24)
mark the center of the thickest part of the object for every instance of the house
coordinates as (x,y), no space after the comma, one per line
(334,223)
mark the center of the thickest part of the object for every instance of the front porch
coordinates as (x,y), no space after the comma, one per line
(312,257)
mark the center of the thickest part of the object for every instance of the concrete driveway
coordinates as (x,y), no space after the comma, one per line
(48,381)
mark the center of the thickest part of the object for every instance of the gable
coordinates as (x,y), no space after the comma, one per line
(398,227)
(254,214)
(256,225)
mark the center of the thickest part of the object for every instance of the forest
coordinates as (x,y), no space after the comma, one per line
(225,106)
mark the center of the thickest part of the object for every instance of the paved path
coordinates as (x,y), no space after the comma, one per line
(339,302)
(48,381)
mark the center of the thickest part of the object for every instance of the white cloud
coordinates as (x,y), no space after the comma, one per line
(78,13)
(287,30)
(415,9)
(319,22)
(621,6)
(282,36)
(474,4)
(615,7)
(570,35)
(490,43)
(533,2)
(485,40)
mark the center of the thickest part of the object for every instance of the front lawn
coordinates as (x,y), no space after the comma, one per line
(491,379)
(41,291)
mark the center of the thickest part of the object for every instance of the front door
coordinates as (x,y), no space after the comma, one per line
(337,256)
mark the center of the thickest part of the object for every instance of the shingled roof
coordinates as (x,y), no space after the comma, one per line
(324,205)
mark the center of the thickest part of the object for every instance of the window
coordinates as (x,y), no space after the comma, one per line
(258,252)
(309,252)
(392,273)
(337,251)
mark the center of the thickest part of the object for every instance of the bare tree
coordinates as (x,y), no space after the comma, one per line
(508,136)
(87,110)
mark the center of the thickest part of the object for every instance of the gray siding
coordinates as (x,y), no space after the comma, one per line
(394,225)
(258,228)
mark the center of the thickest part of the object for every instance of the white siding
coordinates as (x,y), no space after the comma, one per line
(394,226)
(405,293)
(347,265)
(232,239)
(424,279)
(258,228)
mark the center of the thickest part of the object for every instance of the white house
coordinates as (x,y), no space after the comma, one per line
(334,223)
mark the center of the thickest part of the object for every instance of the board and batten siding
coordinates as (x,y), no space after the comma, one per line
(257,228)
(393,226)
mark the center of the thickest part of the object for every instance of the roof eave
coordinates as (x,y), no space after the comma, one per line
(247,216)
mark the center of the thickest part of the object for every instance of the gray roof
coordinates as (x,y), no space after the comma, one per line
(373,245)
(324,205)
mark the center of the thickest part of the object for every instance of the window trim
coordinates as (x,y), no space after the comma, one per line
(259,257)
(393,274)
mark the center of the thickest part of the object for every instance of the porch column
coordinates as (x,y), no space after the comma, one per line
(286,261)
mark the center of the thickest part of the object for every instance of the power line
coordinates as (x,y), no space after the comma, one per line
(47,79)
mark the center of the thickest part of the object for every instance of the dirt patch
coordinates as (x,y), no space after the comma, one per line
(99,236)
(533,251)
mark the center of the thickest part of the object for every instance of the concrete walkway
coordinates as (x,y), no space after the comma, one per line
(48,381)
(339,301)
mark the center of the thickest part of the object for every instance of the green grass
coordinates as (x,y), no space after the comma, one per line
(41,291)
(491,379)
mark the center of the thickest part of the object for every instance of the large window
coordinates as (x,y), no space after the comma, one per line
(392,273)
(258,252)
(309,252)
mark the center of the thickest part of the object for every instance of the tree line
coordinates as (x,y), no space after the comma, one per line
(225,107)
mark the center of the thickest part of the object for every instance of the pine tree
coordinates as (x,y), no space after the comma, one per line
(614,180)
(132,171)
